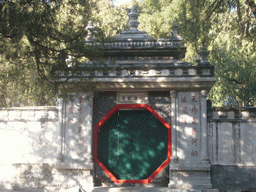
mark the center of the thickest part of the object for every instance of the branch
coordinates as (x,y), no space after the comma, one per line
(216,4)
(45,47)
(38,68)
(246,30)
(252,5)
(234,80)
(239,17)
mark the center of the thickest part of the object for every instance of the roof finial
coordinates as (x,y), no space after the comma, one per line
(90,28)
(174,32)
(203,54)
(133,17)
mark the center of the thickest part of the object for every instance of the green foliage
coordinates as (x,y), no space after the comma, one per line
(224,27)
(35,37)
(110,20)
(157,18)
(236,77)
(153,17)
(233,54)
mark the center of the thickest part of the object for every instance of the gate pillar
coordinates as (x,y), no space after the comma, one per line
(191,169)
(75,164)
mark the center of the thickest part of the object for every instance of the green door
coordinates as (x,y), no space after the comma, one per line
(133,144)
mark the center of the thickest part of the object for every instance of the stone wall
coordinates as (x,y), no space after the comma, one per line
(47,148)
(232,144)
(28,146)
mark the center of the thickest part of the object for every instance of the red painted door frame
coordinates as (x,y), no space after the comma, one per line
(106,118)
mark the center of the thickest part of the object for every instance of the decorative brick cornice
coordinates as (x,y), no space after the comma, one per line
(175,69)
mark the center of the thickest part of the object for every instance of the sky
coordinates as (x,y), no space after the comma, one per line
(121,2)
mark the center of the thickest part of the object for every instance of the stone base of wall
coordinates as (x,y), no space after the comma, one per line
(190,176)
(102,179)
(233,178)
(148,189)
(44,178)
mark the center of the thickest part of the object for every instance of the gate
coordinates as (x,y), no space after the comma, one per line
(132,144)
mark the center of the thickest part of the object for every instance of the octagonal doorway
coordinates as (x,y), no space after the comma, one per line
(133,144)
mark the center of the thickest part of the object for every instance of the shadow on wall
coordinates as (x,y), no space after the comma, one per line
(232,149)
(103,103)
(37,178)
(28,153)
(161,102)
(28,148)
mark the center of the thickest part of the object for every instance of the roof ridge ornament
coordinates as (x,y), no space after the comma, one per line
(174,32)
(133,34)
(133,19)
(91,29)
(203,54)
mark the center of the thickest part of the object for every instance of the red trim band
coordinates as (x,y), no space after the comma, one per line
(107,117)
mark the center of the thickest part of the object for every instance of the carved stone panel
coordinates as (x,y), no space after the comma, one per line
(132,97)
(189,126)
(78,129)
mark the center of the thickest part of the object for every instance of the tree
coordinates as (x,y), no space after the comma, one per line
(153,16)
(109,20)
(233,54)
(35,37)
(225,27)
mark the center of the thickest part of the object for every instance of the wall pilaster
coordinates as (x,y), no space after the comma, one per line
(60,140)
(173,95)
(204,127)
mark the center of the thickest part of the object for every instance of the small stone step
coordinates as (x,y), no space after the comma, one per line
(147,189)
(125,189)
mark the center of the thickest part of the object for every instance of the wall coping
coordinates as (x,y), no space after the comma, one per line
(227,114)
(31,113)
(29,108)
